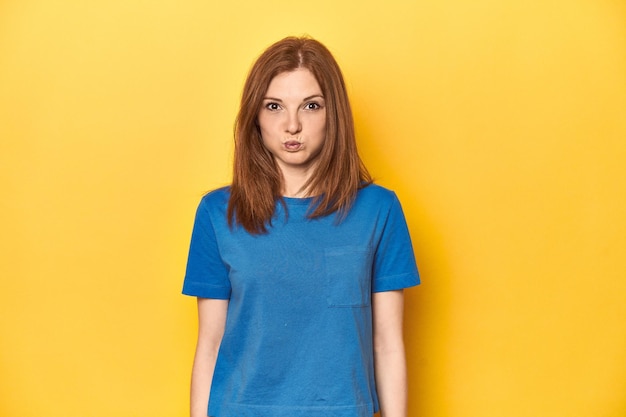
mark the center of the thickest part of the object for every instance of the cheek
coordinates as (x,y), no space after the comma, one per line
(265,128)
(267,120)
(321,132)
(319,125)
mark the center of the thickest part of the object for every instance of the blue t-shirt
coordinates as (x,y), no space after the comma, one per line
(298,336)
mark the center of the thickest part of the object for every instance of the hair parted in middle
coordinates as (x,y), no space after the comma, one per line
(257,180)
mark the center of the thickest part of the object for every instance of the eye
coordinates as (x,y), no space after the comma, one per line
(312,106)
(272,106)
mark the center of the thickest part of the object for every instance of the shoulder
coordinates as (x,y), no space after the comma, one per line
(375,200)
(376,194)
(216,198)
(214,203)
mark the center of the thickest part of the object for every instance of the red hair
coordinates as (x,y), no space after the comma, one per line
(257,180)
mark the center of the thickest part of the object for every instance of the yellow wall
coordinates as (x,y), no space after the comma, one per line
(501,124)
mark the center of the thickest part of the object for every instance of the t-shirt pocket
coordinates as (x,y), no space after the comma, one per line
(348,271)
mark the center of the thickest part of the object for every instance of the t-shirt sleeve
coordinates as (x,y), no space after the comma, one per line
(206,275)
(394,264)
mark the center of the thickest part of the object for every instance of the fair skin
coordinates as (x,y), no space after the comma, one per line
(292,121)
(389,355)
(211,323)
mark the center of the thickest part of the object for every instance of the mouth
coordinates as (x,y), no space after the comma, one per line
(292,145)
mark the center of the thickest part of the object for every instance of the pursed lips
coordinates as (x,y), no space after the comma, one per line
(292,144)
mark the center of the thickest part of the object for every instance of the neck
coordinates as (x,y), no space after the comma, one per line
(293,183)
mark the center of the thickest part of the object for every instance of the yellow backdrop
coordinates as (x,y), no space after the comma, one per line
(501,125)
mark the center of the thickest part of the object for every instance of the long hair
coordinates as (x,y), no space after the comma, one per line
(257,180)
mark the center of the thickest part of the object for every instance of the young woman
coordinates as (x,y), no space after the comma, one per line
(299,265)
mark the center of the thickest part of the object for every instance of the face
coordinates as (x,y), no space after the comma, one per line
(292,120)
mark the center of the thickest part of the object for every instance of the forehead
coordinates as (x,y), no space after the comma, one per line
(298,83)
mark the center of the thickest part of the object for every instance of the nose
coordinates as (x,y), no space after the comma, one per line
(293,123)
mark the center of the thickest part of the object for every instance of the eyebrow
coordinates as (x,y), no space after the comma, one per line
(304,99)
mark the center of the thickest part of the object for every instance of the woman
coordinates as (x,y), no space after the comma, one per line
(299,265)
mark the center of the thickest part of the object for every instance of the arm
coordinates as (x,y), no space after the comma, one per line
(211,323)
(389,359)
